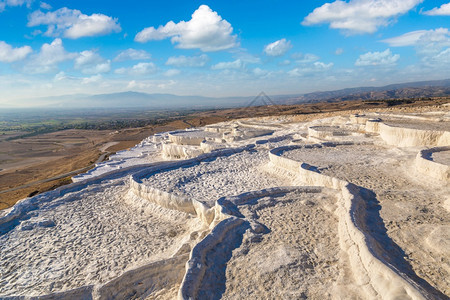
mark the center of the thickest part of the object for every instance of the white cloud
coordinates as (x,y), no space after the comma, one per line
(87,57)
(172,72)
(278,48)
(249,58)
(433,41)
(132,54)
(46,6)
(426,40)
(359,16)
(49,57)
(301,58)
(144,68)
(407,39)
(9,54)
(316,67)
(92,79)
(90,62)
(431,45)
(167,84)
(237,64)
(121,70)
(443,57)
(61,76)
(36,32)
(285,62)
(377,58)
(260,72)
(206,31)
(139,85)
(297,72)
(104,67)
(443,10)
(5,3)
(187,61)
(339,51)
(139,69)
(73,24)
(17,2)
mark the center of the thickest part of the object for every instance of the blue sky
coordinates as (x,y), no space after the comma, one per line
(218,48)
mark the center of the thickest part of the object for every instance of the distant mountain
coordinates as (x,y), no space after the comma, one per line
(132,100)
(135,100)
(436,88)
(161,101)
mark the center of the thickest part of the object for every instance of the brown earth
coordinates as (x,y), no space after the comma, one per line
(36,164)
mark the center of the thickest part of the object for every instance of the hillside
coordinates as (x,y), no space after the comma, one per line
(422,89)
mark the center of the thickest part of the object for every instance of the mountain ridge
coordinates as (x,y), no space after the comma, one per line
(133,99)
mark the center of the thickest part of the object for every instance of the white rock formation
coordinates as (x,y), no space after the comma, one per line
(330,210)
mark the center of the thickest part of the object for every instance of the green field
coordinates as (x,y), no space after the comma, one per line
(25,123)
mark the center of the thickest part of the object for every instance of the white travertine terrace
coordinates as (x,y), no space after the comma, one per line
(368,268)
(192,137)
(191,143)
(180,151)
(323,132)
(339,207)
(428,166)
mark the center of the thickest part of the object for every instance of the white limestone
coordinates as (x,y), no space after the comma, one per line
(426,165)
(181,210)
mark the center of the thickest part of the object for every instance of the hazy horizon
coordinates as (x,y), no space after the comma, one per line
(216,49)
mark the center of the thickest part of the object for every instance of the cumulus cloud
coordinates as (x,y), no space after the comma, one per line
(237,64)
(433,42)
(9,54)
(443,10)
(187,61)
(48,58)
(73,24)
(359,16)
(316,67)
(139,69)
(377,58)
(206,31)
(132,54)
(90,62)
(432,45)
(144,68)
(278,48)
